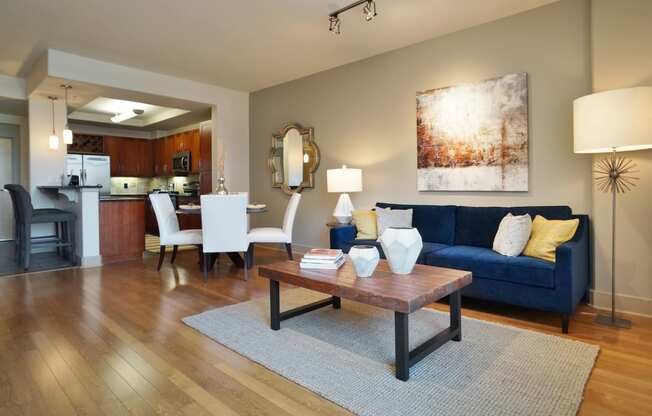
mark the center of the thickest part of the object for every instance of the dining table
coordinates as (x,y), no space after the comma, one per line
(195,209)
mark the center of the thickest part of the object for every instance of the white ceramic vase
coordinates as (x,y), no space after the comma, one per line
(365,259)
(402,247)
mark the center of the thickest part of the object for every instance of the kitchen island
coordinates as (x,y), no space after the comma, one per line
(122,228)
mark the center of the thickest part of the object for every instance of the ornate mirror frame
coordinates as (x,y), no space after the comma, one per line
(275,159)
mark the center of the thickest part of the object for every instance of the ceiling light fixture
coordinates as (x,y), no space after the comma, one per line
(54,139)
(368,12)
(67,133)
(119,118)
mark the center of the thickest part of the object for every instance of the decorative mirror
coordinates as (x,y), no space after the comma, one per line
(294,158)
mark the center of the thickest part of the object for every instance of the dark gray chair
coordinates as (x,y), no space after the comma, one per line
(25,215)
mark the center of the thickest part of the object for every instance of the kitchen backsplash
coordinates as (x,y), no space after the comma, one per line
(146,185)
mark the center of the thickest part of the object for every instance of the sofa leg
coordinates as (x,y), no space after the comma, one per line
(564,323)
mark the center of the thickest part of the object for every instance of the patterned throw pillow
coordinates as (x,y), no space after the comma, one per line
(365,222)
(513,234)
(388,217)
(547,235)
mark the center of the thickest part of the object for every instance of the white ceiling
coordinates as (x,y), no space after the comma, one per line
(241,44)
(102,109)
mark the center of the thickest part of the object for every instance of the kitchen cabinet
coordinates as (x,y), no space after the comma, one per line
(129,157)
(205,148)
(113,148)
(195,151)
(206,182)
(122,230)
(188,221)
(205,159)
(157,157)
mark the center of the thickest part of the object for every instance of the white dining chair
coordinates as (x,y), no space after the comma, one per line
(276,235)
(168,227)
(224,228)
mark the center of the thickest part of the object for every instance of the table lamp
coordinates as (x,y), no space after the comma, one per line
(344,180)
(610,122)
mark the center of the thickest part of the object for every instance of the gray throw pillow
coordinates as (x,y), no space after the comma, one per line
(387,217)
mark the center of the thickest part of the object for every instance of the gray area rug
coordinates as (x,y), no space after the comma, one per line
(347,356)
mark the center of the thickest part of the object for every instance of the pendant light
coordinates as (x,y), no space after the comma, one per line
(54,139)
(67,133)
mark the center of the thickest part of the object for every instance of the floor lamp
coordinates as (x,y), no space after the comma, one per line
(610,122)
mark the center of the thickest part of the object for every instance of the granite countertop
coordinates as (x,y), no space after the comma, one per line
(69,187)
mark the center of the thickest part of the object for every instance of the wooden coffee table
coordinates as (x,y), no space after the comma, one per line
(402,294)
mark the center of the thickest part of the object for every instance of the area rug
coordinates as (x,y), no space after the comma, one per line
(153,245)
(347,356)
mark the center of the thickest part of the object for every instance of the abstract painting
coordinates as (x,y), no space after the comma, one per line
(474,137)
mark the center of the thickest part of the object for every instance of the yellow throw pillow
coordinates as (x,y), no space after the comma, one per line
(547,235)
(365,222)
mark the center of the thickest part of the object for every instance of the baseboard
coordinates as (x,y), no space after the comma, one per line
(88,262)
(624,303)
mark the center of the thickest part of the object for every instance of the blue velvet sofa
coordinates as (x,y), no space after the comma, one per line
(462,237)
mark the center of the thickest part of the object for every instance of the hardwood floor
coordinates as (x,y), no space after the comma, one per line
(110,341)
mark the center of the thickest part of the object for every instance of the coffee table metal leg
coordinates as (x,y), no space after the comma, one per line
(274,305)
(337,302)
(402,345)
(455,301)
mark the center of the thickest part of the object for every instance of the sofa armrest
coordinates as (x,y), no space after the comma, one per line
(342,235)
(573,266)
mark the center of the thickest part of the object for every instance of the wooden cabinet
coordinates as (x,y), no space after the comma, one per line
(146,158)
(113,148)
(122,230)
(195,151)
(205,159)
(205,148)
(129,157)
(151,225)
(188,221)
(206,182)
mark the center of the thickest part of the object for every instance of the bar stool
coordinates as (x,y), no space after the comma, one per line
(25,215)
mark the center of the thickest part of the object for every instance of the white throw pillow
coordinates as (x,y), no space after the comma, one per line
(513,234)
(388,217)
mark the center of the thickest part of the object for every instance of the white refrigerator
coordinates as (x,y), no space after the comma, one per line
(91,169)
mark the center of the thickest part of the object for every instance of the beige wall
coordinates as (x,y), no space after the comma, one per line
(364,116)
(621,35)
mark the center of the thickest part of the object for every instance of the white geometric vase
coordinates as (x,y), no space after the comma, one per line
(364,259)
(402,246)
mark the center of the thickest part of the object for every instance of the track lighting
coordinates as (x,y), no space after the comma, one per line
(368,12)
(334,24)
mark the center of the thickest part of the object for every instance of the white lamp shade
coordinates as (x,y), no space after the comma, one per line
(54,142)
(67,136)
(344,180)
(617,119)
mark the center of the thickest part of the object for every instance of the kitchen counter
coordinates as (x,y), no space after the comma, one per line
(109,198)
(69,187)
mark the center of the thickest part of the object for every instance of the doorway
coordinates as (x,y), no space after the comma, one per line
(9,173)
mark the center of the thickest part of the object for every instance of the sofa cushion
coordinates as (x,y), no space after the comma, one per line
(436,223)
(477,226)
(485,263)
(427,248)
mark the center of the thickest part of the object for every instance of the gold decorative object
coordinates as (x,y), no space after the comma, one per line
(293,168)
(613,174)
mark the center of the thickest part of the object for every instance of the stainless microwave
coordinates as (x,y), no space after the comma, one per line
(181,164)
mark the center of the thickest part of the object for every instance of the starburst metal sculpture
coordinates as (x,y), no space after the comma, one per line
(614,174)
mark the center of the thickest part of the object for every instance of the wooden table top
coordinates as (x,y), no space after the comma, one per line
(401,293)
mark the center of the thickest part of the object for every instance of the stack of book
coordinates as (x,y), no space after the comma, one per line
(322,258)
